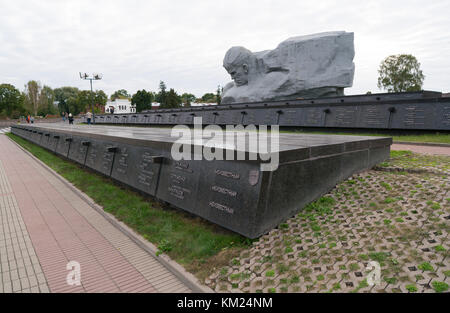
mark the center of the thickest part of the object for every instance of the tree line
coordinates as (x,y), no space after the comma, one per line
(397,73)
(38,100)
(167,98)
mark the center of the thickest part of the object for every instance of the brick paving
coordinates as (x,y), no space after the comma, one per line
(20,268)
(45,225)
(430,150)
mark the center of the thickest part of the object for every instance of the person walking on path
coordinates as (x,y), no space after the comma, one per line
(64,116)
(28,119)
(70,118)
(89,117)
(32,119)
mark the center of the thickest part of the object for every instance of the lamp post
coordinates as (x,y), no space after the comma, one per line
(85,76)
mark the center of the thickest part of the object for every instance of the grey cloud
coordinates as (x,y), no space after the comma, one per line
(135,44)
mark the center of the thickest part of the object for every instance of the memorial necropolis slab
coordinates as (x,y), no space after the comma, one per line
(234,194)
(410,111)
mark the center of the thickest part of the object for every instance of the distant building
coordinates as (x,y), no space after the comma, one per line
(156,105)
(120,106)
(202,104)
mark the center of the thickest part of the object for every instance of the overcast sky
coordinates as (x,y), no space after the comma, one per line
(135,44)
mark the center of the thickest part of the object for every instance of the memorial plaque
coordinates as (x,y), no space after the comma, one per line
(228,193)
(53,141)
(185,118)
(290,117)
(63,145)
(134,119)
(45,140)
(414,117)
(178,183)
(138,167)
(150,118)
(208,117)
(34,136)
(141,119)
(78,149)
(445,122)
(343,117)
(374,116)
(223,117)
(267,116)
(100,156)
(314,117)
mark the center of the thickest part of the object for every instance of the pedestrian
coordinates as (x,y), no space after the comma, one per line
(32,119)
(89,117)
(64,116)
(28,119)
(70,118)
(111,110)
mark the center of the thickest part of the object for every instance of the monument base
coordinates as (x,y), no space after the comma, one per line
(234,194)
(408,111)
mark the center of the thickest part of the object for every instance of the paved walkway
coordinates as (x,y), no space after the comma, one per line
(431,150)
(44,225)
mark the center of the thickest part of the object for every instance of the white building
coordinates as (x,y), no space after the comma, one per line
(156,105)
(120,106)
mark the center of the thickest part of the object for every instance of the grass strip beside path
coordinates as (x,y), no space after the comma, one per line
(198,245)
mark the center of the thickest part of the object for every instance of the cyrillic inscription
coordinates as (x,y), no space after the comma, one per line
(221,207)
(224,191)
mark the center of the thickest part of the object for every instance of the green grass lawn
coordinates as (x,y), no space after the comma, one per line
(198,245)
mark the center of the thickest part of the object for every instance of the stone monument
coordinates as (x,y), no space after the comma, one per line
(312,66)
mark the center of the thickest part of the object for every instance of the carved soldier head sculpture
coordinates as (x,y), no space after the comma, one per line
(312,66)
(237,62)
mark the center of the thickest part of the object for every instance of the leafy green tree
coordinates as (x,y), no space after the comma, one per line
(142,99)
(187,99)
(162,94)
(72,105)
(218,94)
(120,94)
(46,101)
(62,95)
(400,73)
(209,97)
(11,101)
(83,101)
(100,100)
(173,100)
(32,94)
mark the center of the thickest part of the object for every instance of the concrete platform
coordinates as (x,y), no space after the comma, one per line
(234,194)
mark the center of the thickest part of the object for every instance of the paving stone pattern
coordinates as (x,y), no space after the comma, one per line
(397,216)
(45,225)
